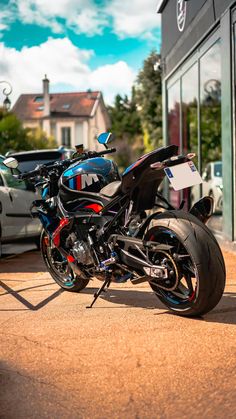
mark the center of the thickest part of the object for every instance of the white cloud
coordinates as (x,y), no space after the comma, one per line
(113,79)
(83,16)
(65,65)
(128,18)
(134,18)
(6,18)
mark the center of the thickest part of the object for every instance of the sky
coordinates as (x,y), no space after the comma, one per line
(78,44)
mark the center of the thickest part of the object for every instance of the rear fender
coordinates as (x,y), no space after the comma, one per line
(203,209)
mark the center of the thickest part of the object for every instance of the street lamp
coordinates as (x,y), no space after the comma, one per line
(6,91)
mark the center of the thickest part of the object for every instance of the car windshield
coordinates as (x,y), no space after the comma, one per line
(26,166)
(218,169)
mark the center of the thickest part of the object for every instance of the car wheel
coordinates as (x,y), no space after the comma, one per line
(37,242)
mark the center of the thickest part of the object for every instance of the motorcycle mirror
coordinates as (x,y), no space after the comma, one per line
(105,138)
(11,163)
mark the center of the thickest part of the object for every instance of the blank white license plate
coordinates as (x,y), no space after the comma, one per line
(183,175)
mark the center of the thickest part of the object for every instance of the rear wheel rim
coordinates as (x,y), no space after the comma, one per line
(185,294)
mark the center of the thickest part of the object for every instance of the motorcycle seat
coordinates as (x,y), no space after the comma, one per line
(111,190)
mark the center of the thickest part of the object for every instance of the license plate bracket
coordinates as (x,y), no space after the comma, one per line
(183,175)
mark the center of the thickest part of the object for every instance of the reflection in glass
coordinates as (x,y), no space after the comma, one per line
(211,149)
(174,129)
(190,125)
(174,114)
(211,105)
(190,111)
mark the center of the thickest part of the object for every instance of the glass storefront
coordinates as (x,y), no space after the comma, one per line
(194,123)
(174,112)
(211,149)
(190,124)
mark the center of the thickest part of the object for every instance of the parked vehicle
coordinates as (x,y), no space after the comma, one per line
(108,235)
(28,160)
(16,198)
(212,185)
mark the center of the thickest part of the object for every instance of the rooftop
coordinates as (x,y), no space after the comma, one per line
(78,104)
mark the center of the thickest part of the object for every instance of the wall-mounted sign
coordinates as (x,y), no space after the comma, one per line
(181,14)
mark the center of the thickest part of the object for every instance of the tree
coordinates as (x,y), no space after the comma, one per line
(126,125)
(38,140)
(149,101)
(14,137)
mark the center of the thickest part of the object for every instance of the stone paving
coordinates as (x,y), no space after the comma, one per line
(128,357)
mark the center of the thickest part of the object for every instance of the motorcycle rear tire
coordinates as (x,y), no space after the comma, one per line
(77,284)
(206,257)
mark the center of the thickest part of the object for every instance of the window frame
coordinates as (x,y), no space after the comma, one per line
(63,128)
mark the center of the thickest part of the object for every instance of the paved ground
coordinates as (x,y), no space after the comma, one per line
(126,358)
(17,248)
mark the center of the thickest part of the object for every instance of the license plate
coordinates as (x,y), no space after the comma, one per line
(183,175)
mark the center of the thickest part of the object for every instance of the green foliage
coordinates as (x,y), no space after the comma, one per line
(126,125)
(14,137)
(137,123)
(211,147)
(149,100)
(124,117)
(39,140)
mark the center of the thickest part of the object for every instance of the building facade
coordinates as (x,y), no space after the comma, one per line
(199,103)
(71,118)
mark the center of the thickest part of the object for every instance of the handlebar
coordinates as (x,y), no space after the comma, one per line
(44,169)
(28,175)
(93,154)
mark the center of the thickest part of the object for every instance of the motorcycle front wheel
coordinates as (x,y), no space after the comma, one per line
(194,262)
(59,268)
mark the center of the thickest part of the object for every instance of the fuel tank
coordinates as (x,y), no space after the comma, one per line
(90,175)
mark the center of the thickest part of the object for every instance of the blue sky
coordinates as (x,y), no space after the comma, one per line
(79,44)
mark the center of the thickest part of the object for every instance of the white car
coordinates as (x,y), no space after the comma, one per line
(16,198)
(212,185)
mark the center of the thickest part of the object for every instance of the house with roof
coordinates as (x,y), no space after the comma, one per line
(71,118)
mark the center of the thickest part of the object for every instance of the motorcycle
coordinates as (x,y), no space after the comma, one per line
(128,231)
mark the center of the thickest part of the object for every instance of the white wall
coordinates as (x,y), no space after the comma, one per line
(79,133)
(97,125)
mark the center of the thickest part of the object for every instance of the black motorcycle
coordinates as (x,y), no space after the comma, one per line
(129,231)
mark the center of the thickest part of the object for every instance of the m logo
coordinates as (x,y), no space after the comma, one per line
(88,180)
(181,14)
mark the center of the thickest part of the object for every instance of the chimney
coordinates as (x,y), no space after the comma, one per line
(46,97)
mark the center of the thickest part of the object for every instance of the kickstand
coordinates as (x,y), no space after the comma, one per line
(105,284)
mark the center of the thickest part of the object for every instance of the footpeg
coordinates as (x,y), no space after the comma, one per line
(105,263)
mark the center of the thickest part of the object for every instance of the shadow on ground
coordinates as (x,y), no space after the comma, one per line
(25,262)
(225,312)
(25,302)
